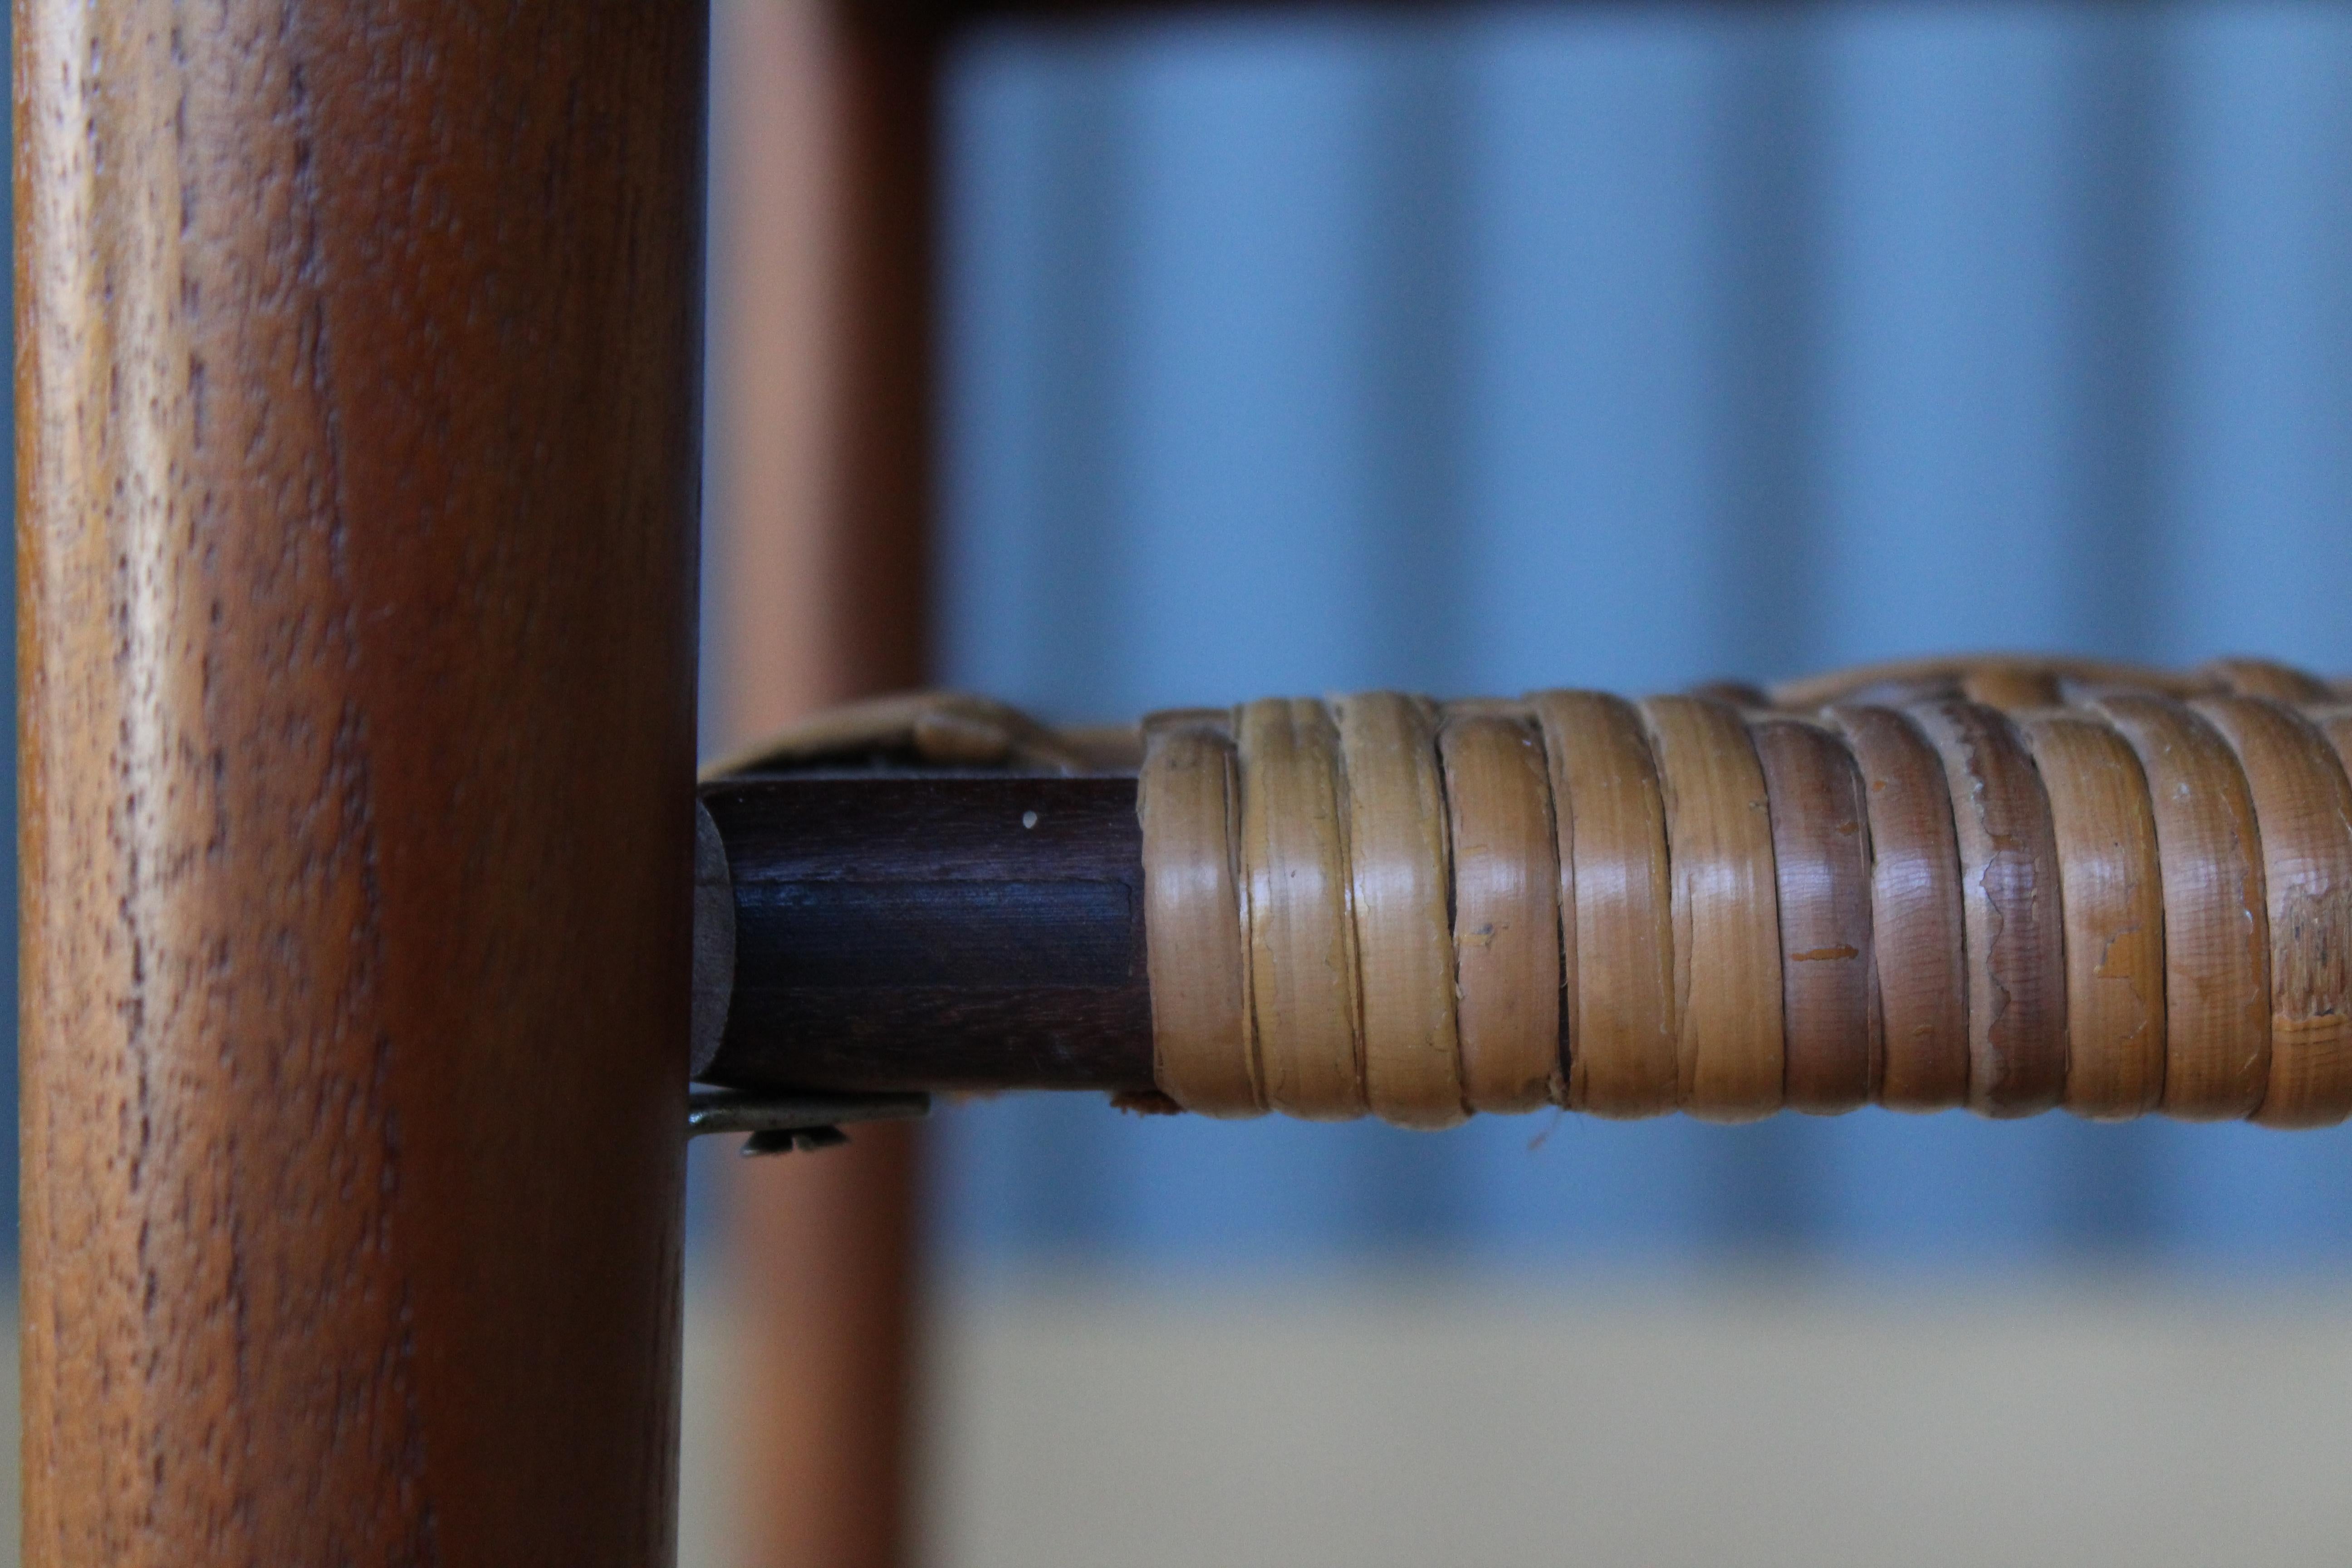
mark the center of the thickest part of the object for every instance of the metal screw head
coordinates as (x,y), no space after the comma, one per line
(784,1140)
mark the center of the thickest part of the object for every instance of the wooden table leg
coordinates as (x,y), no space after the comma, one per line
(359,380)
(823,161)
(823,1263)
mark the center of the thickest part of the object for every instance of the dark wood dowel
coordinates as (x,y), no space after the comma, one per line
(981,933)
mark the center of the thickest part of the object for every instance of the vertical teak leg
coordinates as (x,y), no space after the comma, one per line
(359,385)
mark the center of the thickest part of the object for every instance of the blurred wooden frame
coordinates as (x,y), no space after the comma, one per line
(815,591)
(822,315)
(822,330)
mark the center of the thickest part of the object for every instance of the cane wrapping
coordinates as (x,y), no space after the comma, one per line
(2012,884)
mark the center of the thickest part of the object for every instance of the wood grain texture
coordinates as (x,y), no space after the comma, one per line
(1820,858)
(2303,809)
(935,934)
(1730,1056)
(2217,950)
(2013,925)
(2112,893)
(1917,923)
(1616,905)
(359,461)
(1304,1002)
(1188,805)
(1505,912)
(1399,890)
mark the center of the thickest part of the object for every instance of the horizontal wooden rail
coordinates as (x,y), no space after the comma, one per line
(983,931)
(2009,886)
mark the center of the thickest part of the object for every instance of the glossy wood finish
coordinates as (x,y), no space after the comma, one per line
(1917,922)
(2111,896)
(2304,806)
(935,934)
(1821,855)
(2010,904)
(1730,1055)
(2216,957)
(360,463)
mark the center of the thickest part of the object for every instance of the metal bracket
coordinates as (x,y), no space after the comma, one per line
(779,1123)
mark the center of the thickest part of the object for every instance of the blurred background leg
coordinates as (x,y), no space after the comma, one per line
(820,489)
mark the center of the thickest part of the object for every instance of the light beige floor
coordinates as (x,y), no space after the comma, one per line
(1485,1422)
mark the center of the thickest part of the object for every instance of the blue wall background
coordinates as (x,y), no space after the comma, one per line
(1628,346)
